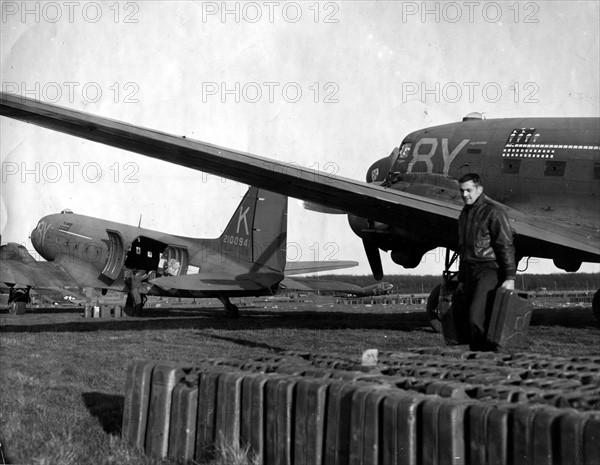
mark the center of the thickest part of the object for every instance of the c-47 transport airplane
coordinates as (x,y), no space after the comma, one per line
(544,172)
(248,259)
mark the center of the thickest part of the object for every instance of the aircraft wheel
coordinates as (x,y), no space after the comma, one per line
(432,303)
(17,308)
(596,304)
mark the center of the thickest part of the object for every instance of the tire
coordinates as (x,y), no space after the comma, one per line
(17,308)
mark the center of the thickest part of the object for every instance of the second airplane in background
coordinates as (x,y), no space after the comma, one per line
(248,259)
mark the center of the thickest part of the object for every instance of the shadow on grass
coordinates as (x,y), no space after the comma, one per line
(159,319)
(248,343)
(107,408)
(48,310)
(165,319)
(568,317)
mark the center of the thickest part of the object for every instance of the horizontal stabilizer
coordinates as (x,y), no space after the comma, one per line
(306,284)
(215,283)
(293,268)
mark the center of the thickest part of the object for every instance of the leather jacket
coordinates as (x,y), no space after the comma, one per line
(484,236)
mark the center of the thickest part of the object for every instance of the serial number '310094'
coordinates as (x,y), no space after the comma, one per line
(235,240)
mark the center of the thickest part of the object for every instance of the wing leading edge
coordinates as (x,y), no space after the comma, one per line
(19,268)
(359,198)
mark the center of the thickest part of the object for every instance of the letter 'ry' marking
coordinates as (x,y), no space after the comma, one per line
(447,156)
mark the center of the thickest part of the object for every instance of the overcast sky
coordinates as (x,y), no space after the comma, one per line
(328,85)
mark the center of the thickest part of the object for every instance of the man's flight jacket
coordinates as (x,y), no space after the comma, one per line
(484,235)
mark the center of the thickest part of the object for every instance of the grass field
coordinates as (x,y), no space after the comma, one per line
(63,376)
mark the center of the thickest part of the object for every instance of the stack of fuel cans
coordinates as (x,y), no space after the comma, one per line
(424,406)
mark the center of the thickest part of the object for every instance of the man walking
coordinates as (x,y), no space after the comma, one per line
(487,257)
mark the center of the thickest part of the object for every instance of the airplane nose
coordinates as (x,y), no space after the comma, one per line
(35,239)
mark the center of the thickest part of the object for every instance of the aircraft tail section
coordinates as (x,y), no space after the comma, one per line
(257,231)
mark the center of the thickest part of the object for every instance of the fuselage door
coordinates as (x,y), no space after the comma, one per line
(175,260)
(116,255)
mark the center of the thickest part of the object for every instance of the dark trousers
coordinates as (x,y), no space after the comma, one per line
(481,281)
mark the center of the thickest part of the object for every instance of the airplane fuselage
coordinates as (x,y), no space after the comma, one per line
(547,168)
(99,252)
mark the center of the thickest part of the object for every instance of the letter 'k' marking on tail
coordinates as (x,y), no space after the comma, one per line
(243,217)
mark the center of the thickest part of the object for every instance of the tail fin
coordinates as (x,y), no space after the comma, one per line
(257,231)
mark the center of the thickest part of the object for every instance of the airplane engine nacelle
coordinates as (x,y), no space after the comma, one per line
(372,231)
(406,245)
(408,257)
(568,265)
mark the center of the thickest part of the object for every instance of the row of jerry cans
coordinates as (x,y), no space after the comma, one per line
(515,370)
(559,394)
(454,359)
(188,413)
(513,386)
(580,375)
(576,386)
(530,359)
(103,311)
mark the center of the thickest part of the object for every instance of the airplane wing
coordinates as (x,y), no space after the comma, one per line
(19,268)
(294,268)
(366,200)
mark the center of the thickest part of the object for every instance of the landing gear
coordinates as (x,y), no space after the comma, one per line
(18,298)
(440,298)
(230,309)
(431,309)
(596,304)
(17,308)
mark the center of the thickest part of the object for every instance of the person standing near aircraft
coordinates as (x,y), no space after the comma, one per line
(136,284)
(487,257)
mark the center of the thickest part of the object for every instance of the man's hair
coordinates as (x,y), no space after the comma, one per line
(470,177)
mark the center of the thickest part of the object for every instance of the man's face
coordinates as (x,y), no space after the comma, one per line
(470,192)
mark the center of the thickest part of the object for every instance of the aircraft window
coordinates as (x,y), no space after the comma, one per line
(511,166)
(138,250)
(149,254)
(404,151)
(597,171)
(555,168)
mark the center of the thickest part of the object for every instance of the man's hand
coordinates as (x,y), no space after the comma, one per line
(508,284)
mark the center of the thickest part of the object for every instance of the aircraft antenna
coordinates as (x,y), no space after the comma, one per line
(140,221)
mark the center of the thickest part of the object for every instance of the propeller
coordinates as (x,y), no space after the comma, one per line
(374,259)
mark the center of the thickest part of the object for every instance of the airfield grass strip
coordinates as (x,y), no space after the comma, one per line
(62,377)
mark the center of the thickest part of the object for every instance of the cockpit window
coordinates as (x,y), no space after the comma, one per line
(398,155)
(66,211)
(404,151)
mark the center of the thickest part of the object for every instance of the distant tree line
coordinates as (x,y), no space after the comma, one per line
(410,284)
